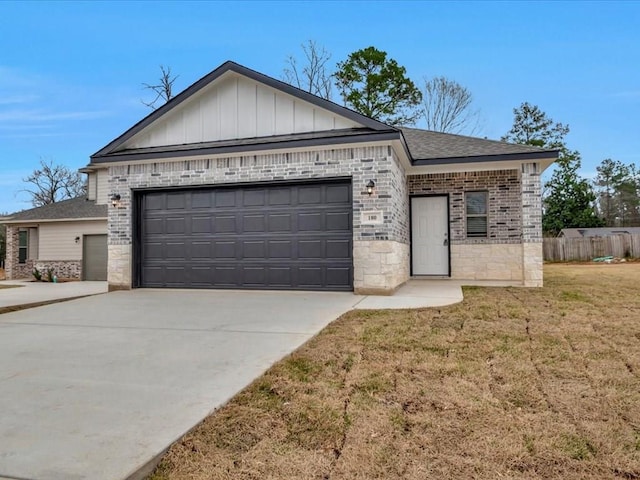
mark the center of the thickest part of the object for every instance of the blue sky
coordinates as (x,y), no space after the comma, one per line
(71,72)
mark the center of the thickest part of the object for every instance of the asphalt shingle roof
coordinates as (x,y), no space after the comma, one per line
(428,145)
(78,208)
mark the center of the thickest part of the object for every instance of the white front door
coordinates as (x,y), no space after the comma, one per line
(429,236)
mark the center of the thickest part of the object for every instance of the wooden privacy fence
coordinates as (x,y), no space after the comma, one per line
(588,248)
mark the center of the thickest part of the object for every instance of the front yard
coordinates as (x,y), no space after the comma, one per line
(511,383)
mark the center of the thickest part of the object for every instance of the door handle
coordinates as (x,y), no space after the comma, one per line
(446,242)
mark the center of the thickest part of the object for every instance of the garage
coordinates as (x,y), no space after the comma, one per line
(275,236)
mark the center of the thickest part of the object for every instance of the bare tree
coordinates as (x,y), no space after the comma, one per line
(163,90)
(312,76)
(447,107)
(51,183)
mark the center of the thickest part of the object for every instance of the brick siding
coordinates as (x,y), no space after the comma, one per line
(504,219)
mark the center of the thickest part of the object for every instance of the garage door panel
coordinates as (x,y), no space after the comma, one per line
(310,195)
(175,226)
(279,222)
(201,225)
(200,276)
(253,223)
(176,201)
(154,225)
(153,251)
(225,275)
(279,276)
(154,201)
(339,193)
(225,224)
(225,249)
(253,249)
(177,250)
(154,276)
(337,276)
(310,249)
(338,222)
(282,249)
(311,222)
(253,198)
(339,249)
(255,276)
(310,277)
(279,196)
(225,198)
(274,237)
(200,250)
(201,199)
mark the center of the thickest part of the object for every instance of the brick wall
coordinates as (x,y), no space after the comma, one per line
(14,270)
(358,164)
(71,269)
(505,202)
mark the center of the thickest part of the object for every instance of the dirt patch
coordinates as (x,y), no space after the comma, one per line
(511,383)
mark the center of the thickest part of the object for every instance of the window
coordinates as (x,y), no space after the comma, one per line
(23,242)
(476,203)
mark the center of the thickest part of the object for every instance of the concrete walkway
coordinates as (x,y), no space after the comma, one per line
(96,388)
(27,292)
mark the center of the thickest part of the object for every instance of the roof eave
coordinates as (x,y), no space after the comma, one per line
(49,220)
(125,156)
(545,154)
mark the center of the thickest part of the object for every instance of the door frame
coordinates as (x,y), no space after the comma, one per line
(411,197)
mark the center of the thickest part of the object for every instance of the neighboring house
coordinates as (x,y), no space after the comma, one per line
(242,181)
(598,232)
(68,236)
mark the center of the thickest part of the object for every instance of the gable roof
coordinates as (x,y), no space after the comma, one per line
(431,148)
(78,208)
(229,66)
(422,147)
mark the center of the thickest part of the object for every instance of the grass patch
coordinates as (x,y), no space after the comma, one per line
(511,383)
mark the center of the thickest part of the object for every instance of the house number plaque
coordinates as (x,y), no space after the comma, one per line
(371,217)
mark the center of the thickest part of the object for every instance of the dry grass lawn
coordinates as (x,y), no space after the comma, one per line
(511,383)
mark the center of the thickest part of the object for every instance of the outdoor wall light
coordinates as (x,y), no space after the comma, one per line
(115,199)
(370,186)
(77,239)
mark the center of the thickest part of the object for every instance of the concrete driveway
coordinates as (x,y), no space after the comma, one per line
(96,387)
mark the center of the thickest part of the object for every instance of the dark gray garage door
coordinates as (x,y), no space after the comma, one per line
(269,237)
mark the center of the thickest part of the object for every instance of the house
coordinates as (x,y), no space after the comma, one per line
(245,182)
(598,232)
(69,237)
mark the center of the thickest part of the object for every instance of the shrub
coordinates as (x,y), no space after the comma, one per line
(37,275)
(50,274)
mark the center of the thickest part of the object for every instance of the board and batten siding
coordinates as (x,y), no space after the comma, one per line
(236,107)
(57,240)
(102,187)
(92,186)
